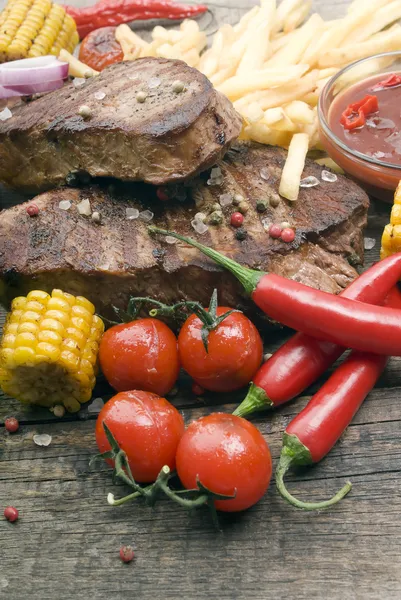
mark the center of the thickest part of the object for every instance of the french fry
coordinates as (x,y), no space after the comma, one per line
(281,40)
(242,25)
(259,132)
(329,162)
(299,112)
(360,5)
(239,85)
(384,42)
(384,17)
(218,78)
(253,113)
(273,115)
(294,166)
(76,68)
(292,52)
(285,8)
(257,49)
(297,17)
(123,32)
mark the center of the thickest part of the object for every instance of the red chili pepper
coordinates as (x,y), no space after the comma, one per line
(391,81)
(355,114)
(312,434)
(303,359)
(319,314)
(110,13)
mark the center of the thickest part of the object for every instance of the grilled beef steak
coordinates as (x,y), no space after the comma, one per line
(110,261)
(168,137)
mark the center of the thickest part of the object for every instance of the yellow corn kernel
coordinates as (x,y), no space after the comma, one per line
(26,339)
(69,360)
(71,404)
(31,316)
(28,327)
(35,306)
(18,303)
(72,346)
(395,218)
(50,337)
(9,340)
(86,366)
(11,328)
(58,304)
(39,296)
(48,350)
(64,296)
(81,312)
(90,352)
(81,324)
(86,304)
(23,355)
(7,358)
(52,325)
(58,315)
(77,335)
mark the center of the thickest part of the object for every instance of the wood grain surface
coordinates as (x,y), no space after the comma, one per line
(66,542)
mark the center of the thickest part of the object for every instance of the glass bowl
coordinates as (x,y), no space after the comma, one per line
(379,178)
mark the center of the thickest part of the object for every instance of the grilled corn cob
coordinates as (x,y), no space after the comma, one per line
(391,239)
(48,353)
(31,28)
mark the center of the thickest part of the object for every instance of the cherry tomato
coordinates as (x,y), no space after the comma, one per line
(100,49)
(146,427)
(141,355)
(235,352)
(227,454)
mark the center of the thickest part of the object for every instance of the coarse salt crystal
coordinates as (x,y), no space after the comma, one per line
(226,199)
(99,95)
(131,213)
(64,205)
(42,439)
(266,223)
(200,216)
(146,216)
(5,114)
(308,182)
(264,173)
(215,172)
(369,243)
(267,356)
(96,406)
(84,208)
(78,82)
(330,177)
(199,226)
(170,240)
(154,82)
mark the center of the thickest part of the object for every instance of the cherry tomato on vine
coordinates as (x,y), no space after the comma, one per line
(141,355)
(146,427)
(235,352)
(100,49)
(228,455)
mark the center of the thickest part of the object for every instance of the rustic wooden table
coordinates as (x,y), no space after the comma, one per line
(66,543)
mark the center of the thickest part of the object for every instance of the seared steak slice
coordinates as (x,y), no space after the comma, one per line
(168,137)
(118,258)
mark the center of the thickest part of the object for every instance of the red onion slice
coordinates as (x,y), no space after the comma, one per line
(35,88)
(7,93)
(32,71)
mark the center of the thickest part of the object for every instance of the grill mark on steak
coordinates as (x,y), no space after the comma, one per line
(169,137)
(109,262)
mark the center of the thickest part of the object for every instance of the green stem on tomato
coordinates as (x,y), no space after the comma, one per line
(256,400)
(294,453)
(249,278)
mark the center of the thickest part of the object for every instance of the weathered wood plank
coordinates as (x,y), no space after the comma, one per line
(272,550)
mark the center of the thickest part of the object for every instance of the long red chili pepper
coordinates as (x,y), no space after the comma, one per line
(312,434)
(302,359)
(321,315)
(110,13)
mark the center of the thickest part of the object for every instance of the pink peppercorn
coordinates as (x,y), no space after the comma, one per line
(288,235)
(237,219)
(32,210)
(127,553)
(11,424)
(161,194)
(275,231)
(11,514)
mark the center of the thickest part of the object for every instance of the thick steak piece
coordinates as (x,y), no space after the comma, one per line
(118,258)
(169,137)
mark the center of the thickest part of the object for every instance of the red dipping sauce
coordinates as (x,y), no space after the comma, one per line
(380,135)
(371,153)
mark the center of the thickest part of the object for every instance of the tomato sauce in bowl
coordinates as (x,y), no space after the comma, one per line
(360,122)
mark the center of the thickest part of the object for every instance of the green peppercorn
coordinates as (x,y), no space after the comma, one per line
(216,206)
(262,206)
(216,218)
(274,201)
(243,208)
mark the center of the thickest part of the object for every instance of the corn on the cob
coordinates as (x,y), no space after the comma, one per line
(391,239)
(48,353)
(31,28)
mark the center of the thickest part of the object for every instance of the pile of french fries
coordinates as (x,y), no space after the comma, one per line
(274,63)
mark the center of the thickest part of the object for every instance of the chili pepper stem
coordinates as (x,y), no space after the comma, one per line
(295,453)
(256,400)
(249,278)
